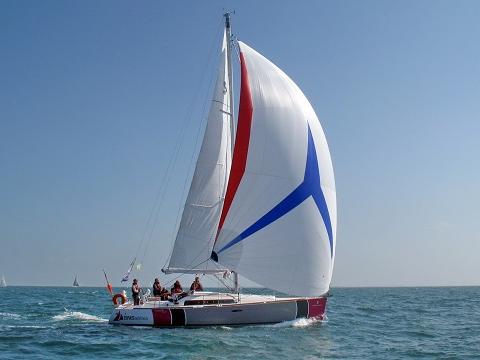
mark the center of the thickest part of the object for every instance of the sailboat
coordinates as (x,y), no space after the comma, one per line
(3,283)
(75,282)
(262,204)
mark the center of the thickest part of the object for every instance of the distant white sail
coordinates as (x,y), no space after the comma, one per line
(198,225)
(278,225)
(3,283)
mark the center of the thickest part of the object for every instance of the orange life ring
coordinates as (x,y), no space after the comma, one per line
(119,296)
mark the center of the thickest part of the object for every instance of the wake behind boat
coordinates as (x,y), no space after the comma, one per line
(262,204)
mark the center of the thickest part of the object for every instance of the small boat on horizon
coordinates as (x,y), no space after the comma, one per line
(3,282)
(261,204)
(75,282)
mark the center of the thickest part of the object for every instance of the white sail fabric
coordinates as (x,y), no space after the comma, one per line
(280,228)
(198,225)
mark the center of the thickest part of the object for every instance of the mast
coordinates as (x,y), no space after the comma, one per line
(228,29)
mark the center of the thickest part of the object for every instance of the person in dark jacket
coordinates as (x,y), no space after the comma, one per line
(136,292)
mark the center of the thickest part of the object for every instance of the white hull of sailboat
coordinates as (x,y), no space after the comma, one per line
(201,310)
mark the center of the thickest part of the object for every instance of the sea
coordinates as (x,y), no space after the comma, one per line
(362,323)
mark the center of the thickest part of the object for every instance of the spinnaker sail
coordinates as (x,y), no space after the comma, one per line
(278,224)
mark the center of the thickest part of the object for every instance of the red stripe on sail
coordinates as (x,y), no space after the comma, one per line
(242,140)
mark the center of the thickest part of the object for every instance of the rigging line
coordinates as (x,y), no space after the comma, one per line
(220,281)
(181,138)
(159,193)
(193,157)
(234,40)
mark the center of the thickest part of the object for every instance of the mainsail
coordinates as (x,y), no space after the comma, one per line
(198,225)
(278,224)
(3,283)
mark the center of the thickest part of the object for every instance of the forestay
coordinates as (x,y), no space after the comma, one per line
(278,224)
(198,225)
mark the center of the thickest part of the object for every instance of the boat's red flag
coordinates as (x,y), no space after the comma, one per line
(109,287)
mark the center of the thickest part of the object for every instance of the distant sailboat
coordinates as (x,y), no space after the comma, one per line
(75,282)
(3,283)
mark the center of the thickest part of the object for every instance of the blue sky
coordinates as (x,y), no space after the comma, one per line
(94,94)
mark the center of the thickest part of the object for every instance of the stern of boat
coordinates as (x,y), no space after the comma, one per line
(131,316)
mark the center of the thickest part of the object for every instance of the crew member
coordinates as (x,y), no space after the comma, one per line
(136,292)
(196,285)
(157,288)
(177,288)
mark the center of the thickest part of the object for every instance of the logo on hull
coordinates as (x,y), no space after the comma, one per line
(118,317)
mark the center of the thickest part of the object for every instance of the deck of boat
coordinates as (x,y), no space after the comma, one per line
(202,298)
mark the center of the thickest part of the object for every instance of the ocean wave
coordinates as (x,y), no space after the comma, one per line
(83,292)
(298,323)
(6,315)
(23,327)
(367,308)
(77,315)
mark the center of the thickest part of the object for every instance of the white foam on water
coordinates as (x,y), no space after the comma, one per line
(77,315)
(6,315)
(297,323)
(23,327)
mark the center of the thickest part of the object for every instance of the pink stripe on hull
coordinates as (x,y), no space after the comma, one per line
(316,307)
(161,317)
